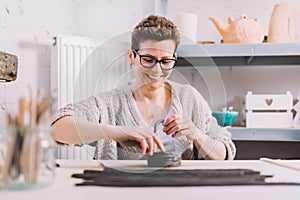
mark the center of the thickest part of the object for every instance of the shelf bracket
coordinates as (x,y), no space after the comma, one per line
(249,60)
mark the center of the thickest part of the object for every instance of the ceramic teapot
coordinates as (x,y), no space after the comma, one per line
(242,30)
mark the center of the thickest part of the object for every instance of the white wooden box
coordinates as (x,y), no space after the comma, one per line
(269,110)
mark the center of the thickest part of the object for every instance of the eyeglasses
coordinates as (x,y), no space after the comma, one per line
(150,62)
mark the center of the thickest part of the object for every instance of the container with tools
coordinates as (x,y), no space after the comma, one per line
(26,147)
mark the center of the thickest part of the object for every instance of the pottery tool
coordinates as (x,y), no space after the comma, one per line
(159,122)
(279,163)
(12,165)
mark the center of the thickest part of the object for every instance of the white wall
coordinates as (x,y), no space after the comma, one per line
(223,9)
(107,18)
(22,20)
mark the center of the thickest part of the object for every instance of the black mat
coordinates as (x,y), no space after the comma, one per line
(167,177)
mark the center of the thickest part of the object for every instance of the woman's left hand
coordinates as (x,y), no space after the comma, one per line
(180,125)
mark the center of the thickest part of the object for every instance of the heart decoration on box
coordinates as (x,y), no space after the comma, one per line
(269,101)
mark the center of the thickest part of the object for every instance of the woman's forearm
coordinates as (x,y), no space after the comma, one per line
(70,130)
(209,148)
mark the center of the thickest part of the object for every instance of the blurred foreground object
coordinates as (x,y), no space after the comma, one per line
(8,66)
(26,145)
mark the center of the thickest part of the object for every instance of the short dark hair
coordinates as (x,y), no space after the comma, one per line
(156,28)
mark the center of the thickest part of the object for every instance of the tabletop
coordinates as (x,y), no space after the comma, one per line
(63,185)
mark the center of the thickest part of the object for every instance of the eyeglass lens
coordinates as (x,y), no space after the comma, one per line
(150,62)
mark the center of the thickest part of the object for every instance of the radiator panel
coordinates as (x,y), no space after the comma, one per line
(80,68)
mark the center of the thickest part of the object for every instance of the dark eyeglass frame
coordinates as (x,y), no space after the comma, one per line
(156,60)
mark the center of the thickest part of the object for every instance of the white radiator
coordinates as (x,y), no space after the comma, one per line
(82,67)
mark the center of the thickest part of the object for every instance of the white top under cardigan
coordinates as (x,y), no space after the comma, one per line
(118,107)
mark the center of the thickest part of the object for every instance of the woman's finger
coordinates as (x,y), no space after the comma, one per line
(168,128)
(155,146)
(141,137)
(171,119)
(159,143)
(151,140)
(177,126)
(150,145)
(180,133)
(174,129)
(171,125)
(143,145)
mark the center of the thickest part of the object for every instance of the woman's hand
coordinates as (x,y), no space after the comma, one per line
(70,130)
(180,125)
(136,136)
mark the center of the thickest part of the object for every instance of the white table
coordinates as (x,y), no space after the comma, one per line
(63,187)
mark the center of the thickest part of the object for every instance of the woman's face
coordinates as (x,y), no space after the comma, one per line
(153,77)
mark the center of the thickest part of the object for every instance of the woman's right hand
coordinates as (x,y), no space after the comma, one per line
(136,136)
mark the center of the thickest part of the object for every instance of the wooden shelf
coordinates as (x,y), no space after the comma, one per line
(265,134)
(239,54)
(245,55)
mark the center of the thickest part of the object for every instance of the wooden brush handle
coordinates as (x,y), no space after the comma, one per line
(22,118)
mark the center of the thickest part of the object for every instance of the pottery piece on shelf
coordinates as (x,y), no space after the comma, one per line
(284,24)
(242,30)
(8,67)
(187,25)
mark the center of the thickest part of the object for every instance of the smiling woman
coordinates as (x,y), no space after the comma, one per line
(122,121)
(148,72)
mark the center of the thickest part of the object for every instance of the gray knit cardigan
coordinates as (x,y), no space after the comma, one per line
(117,107)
